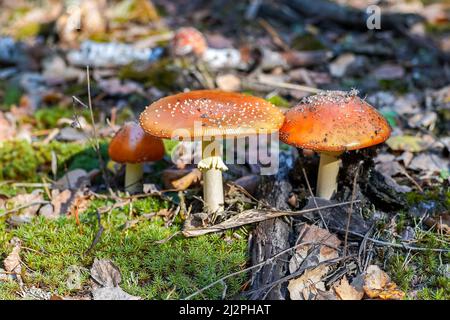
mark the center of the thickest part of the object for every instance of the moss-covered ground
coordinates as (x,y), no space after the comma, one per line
(151,270)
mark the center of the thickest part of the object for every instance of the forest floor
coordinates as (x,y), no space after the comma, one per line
(69,231)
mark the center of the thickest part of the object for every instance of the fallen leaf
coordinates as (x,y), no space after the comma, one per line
(377,284)
(72,180)
(406,143)
(30,201)
(12,261)
(346,291)
(429,163)
(112,293)
(71,134)
(60,201)
(424,120)
(107,275)
(194,176)
(312,236)
(388,72)
(170,175)
(307,286)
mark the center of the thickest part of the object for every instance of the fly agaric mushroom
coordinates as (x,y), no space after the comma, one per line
(132,146)
(188,40)
(210,115)
(330,123)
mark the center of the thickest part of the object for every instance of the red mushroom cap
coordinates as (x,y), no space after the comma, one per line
(132,145)
(334,121)
(188,40)
(210,113)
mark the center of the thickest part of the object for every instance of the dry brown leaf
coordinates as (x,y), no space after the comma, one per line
(312,235)
(7,131)
(441,222)
(307,286)
(12,261)
(346,291)
(377,284)
(24,200)
(79,204)
(60,200)
(107,275)
(186,181)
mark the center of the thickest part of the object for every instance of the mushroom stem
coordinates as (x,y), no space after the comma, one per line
(328,172)
(212,166)
(133,177)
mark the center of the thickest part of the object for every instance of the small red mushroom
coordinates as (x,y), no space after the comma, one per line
(189,40)
(132,146)
(330,123)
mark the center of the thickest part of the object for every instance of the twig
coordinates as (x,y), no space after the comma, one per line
(295,274)
(396,245)
(350,212)
(94,130)
(31,185)
(274,34)
(290,86)
(99,232)
(23,207)
(406,174)
(252,216)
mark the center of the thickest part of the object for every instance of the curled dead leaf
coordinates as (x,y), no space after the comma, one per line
(345,291)
(377,284)
(308,286)
(12,261)
(186,181)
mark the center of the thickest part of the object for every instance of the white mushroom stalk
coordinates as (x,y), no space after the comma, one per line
(133,177)
(212,167)
(328,172)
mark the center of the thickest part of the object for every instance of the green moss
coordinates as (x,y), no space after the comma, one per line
(17,160)
(8,290)
(159,74)
(47,118)
(279,101)
(399,86)
(422,271)
(87,158)
(440,194)
(20,160)
(437,28)
(307,41)
(29,30)
(169,145)
(11,95)
(177,267)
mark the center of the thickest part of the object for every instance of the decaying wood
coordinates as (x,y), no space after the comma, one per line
(348,16)
(271,237)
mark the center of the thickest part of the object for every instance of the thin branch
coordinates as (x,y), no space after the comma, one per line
(350,212)
(23,207)
(395,245)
